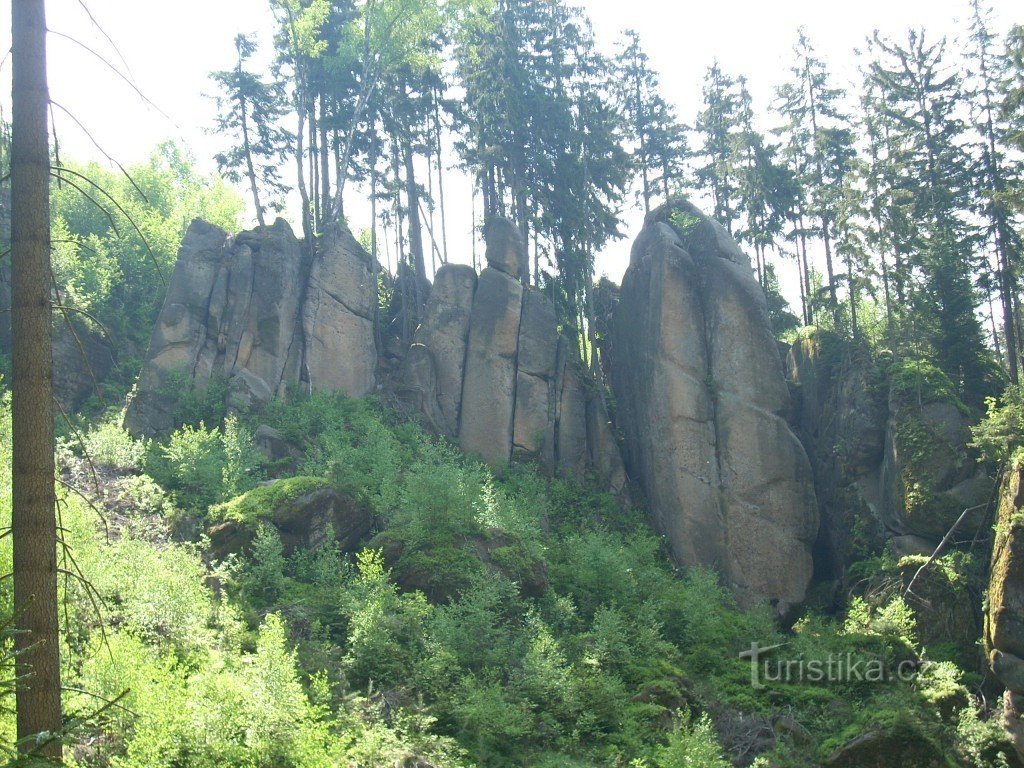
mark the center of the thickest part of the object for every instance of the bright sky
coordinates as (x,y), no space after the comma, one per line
(170,48)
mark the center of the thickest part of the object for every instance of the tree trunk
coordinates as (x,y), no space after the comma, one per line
(412,195)
(440,176)
(34,527)
(250,166)
(325,161)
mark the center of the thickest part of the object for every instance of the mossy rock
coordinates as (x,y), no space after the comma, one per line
(443,569)
(930,475)
(890,742)
(303,510)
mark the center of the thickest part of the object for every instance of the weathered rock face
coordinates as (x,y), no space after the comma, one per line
(490,369)
(81,361)
(701,399)
(339,351)
(929,475)
(489,385)
(840,414)
(253,311)
(442,340)
(1004,620)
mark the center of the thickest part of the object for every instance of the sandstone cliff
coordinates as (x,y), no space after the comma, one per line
(702,399)
(489,369)
(261,314)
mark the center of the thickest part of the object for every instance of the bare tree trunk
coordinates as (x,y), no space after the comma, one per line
(412,194)
(325,160)
(34,526)
(250,167)
(440,176)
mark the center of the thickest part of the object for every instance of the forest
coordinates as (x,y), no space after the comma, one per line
(302,574)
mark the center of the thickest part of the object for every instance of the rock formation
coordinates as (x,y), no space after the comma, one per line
(1004,620)
(929,475)
(489,369)
(702,399)
(257,312)
(840,411)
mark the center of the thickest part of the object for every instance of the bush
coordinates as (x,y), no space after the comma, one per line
(691,744)
(204,466)
(108,444)
(1000,435)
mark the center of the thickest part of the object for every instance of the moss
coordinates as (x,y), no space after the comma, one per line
(259,502)
(684,223)
(918,382)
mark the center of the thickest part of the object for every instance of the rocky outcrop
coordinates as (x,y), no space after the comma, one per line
(929,473)
(304,511)
(840,412)
(82,360)
(339,352)
(489,369)
(257,313)
(489,385)
(1004,619)
(702,399)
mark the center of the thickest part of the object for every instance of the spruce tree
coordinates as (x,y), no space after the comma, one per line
(716,126)
(250,111)
(920,95)
(995,172)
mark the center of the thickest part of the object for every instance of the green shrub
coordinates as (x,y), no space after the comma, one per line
(1000,435)
(691,744)
(108,444)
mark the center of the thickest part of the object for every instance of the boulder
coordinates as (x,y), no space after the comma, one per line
(701,401)
(890,746)
(505,249)
(303,511)
(489,385)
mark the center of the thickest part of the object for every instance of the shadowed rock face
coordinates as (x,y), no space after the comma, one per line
(1004,619)
(701,399)
(255,312)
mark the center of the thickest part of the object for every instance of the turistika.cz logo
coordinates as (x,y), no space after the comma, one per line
(767,668)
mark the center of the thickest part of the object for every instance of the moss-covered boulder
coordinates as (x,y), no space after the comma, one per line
(441,568)
(305,511)
(929,475)
(897,744)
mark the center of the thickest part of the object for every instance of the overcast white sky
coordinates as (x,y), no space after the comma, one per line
(170,48)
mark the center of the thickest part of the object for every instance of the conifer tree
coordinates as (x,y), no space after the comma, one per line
(919,95)
(716,126)
(250,111)
(995,172)
(651,125)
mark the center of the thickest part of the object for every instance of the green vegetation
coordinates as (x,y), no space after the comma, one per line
(488,622)
(114,263)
